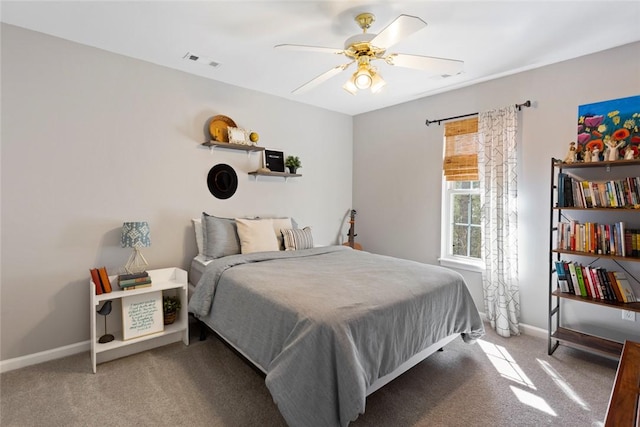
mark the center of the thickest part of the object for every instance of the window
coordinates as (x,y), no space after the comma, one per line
(461,228)
(464,218)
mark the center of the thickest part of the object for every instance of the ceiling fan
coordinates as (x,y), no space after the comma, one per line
(364,48)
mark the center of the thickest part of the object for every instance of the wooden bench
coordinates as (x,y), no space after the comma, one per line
(624,404)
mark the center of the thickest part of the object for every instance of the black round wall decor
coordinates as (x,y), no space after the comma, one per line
(222,181)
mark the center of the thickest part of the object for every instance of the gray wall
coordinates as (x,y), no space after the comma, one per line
(91,139)
(398,170)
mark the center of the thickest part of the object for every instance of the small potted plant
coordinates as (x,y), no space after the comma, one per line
(293,163)
(171,305)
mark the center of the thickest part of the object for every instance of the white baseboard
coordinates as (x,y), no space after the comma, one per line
(533,331)
(525,329)
(44,356)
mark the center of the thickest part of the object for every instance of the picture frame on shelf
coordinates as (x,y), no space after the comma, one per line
(238,136)
(274,160)
(142,315)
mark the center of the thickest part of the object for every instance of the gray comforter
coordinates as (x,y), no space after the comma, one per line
(325,323)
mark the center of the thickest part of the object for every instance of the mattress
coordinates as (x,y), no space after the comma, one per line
(198,265)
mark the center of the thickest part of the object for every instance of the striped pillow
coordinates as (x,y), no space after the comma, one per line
(295,238)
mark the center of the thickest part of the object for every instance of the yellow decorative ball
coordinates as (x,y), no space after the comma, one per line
(253,137)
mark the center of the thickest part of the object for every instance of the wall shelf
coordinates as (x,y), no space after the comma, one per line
(228,146)
(284,175)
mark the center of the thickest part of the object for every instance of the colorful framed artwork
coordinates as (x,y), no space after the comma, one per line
(609,130)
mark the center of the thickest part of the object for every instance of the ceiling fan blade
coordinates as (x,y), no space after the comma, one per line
(322,78)
(426,63)
(402,27)
(309,48)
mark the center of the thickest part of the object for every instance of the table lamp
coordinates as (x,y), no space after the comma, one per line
(135,235)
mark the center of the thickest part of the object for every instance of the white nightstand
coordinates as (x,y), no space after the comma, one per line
(171,281)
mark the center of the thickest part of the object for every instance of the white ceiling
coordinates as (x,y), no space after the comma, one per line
(493,38)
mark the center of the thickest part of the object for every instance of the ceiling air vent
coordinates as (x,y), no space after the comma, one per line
(190,56)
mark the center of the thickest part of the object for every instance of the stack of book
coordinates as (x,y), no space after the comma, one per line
(134,281)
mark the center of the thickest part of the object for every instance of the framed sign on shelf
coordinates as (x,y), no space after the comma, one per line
(142,315)
(274,160)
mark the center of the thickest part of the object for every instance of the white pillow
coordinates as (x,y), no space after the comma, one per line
(296,239)
(256,236)
(197,228)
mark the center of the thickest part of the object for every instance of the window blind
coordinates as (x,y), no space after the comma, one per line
(461,150)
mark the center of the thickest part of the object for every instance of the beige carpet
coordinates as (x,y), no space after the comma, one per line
(496,382)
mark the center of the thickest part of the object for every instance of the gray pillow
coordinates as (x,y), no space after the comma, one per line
(220,236)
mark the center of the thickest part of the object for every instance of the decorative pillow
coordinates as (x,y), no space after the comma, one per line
(220,236)
(280,224)
(296,239)
(197,228)
(256,235)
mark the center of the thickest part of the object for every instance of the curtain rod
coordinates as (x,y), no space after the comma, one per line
(527,103)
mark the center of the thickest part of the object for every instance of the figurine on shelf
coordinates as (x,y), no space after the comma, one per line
(571,155)
(586,156)
(611,151)
(630,152)
(595,154)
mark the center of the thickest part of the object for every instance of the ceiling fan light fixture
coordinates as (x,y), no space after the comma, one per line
(363,78)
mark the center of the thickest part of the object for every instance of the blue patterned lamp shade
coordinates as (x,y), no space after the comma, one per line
(135,235)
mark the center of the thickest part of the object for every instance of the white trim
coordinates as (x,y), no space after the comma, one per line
(44,356)
(533,331)
(525,329)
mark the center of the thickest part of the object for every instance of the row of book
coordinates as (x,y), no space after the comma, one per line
(621,193)
(594,282)
(100,279)
(602,239)
(132,281)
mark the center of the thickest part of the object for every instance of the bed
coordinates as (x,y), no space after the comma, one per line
(330,325)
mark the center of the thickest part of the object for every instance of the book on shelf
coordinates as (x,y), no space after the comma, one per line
(625,287)
(606,285)
(597,285)
(574,278)
(104,279)
(569,279)
(129,276)
(591,286)
(95,278)
(138,281)
(581,283)
(139,286)
(614,286)
(146,281)
(562,277)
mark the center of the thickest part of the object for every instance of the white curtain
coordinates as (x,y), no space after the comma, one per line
(497,160)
